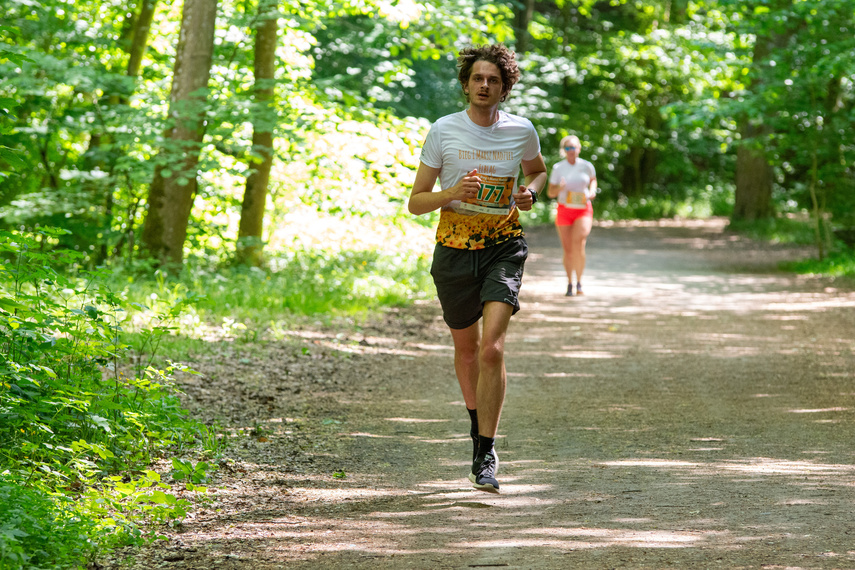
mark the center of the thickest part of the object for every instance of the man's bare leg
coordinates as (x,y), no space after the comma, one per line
(466,347)
(490,393)
(492,380)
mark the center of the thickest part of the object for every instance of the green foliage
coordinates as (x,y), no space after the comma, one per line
(636,87)
(192,474)
(368,61)
(784,229)
(840,263)
(799,89)
(298,282)
(71,418)
(692,203)
(68,410)
(41,532)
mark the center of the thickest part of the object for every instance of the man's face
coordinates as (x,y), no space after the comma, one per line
(485,85)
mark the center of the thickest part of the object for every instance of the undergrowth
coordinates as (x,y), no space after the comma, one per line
(82,416)
(88,402)
(839,263)
(251,303)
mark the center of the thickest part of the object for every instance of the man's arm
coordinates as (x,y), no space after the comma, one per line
(534,171)
(423,199)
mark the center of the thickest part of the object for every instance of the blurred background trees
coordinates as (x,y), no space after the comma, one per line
(260,153)
(224,131)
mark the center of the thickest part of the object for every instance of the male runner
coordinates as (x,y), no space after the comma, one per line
(478,261)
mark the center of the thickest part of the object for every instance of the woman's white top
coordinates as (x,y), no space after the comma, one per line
(577,178)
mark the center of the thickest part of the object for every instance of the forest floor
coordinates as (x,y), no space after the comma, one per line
(694,409)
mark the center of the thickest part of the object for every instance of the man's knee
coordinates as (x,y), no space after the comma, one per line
(491,354)
(467,356)
(466,351)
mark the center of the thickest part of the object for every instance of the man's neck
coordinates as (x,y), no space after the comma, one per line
(483,116)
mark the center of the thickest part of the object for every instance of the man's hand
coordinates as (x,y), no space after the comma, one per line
(523,198)
(467,188)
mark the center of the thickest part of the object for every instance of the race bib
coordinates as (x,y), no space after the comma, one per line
(494,197)
(576,200)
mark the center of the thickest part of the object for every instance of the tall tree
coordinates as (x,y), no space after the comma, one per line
(172,192)
(135,42)
(139,36)
(754,173)
(676,11)
(250,244)
(523,11)
(775,29)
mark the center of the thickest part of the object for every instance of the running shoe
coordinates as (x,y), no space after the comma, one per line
(484,469)
(579,288)
(569,292)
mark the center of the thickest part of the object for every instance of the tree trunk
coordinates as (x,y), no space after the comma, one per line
(173,189)
(522,18)
(139,41)
(754,174)
(676,12)
(642,159)
(754,177)
(137,34)
(630,181)
(250,244)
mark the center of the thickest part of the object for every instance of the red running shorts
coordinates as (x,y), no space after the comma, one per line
(566,216)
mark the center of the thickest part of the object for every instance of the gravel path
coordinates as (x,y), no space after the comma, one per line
(694,409)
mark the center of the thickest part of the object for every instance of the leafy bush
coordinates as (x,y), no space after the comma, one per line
(39,532)
(840,263)
(297,282)
(783,229)
(698,202)
(67,408)
(73,415)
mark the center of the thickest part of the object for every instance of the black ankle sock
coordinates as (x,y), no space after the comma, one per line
(485,444)
(473,415)
(473,431)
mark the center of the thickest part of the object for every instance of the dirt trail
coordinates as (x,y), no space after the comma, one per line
(694,410)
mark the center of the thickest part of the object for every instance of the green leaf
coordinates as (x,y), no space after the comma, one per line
(101,422)
(11,304)
(160,498)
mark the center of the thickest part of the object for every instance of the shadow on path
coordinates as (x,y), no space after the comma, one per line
(693,410)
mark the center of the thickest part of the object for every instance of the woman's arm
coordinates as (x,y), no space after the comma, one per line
(592,188)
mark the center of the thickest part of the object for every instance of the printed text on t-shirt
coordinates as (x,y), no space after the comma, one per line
(485,155)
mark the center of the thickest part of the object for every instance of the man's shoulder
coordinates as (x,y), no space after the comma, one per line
(451,118)
(513,119)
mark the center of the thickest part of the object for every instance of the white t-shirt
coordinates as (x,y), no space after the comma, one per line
(577,178)
(456,146)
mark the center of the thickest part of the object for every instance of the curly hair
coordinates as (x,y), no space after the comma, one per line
(497,54)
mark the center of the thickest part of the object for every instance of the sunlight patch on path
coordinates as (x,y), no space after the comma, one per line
(562,538)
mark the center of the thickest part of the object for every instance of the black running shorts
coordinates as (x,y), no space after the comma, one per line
(466,279)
